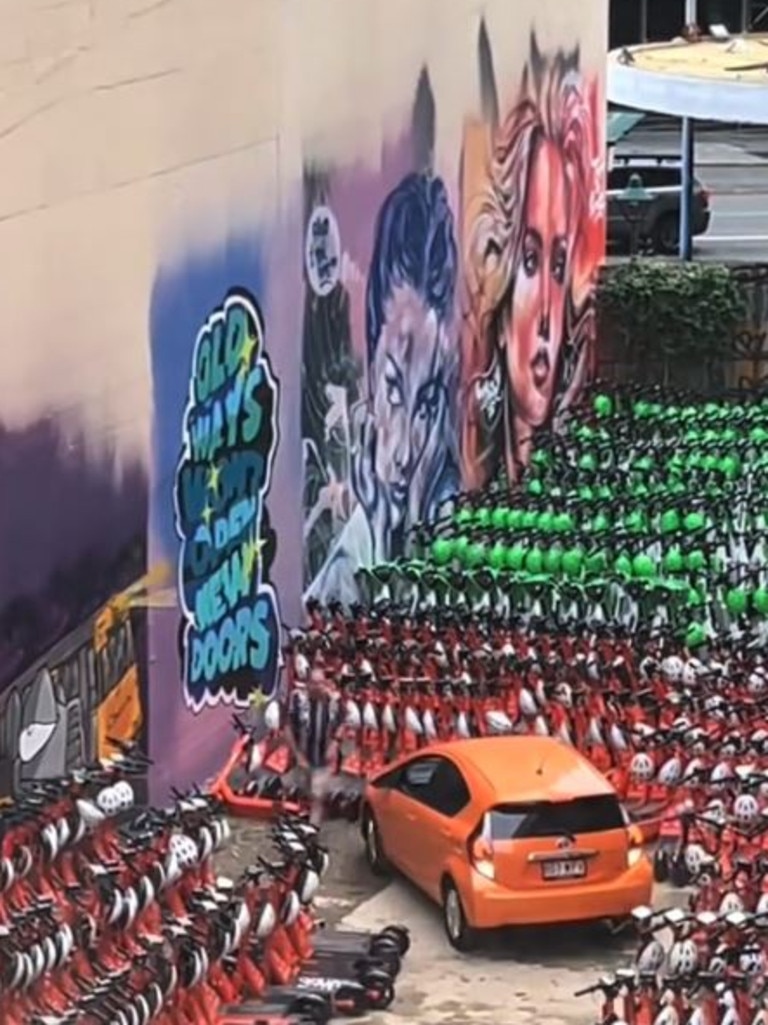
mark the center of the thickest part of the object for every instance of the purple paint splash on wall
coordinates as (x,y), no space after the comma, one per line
(72,532)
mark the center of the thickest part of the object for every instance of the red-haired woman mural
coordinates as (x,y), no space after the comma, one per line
(532,237)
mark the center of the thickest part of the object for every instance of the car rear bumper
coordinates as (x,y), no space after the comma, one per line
(701,221)
(489,905)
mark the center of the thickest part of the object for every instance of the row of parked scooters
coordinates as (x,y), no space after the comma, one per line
(691,968)
(114,915)
(673,731)
(684,738)
(616,600)
(705,961)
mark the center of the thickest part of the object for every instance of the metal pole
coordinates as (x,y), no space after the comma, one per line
(745,6)
(644,21)
(687,161)
(686,197)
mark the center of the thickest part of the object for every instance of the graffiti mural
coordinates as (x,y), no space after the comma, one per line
(73,533)
(380,372)
(532,195)
(230,624)
(84,693)
(462,323)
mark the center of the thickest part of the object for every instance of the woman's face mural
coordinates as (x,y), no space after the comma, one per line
(532,241)
(408,394)
(401,432)
(533,329)
(411,350)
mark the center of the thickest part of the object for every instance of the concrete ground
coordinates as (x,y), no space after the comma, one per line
(519,977)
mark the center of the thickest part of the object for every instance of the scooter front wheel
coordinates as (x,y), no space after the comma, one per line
(351,1000)
(311,1006)
(398,934)
(661,866)
(387,955)
(379,994)
(678,871)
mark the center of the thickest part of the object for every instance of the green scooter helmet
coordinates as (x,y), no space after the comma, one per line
(623,566)
(497,556)
(669,522)
(737,601)
(476,555)
(673,562)
(499,517)
(442,550)
(603,406)
(483,517)
(553,560)
(515,558)
(573,562)
(643,567)
(534,562)
(695,636)
(546,522)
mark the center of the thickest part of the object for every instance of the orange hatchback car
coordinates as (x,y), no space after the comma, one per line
(506,831)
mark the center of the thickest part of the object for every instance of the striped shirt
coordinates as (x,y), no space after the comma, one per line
(314,720)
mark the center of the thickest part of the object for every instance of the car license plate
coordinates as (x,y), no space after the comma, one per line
(569,868)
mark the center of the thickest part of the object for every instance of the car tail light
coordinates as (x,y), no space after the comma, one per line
(480,850)
(634,846)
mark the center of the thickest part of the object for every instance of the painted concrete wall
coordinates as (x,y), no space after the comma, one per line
(278,277)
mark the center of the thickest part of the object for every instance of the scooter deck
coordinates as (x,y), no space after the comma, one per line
(346,966)
(346,938)
(262,1016)
(358,958)
(280,1003)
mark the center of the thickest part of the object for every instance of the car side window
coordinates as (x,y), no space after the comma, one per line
(389,781)
(436,783)
(617,178)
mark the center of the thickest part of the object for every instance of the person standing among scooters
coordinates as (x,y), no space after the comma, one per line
(313,722)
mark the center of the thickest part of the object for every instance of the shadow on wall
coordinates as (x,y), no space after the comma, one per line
(72,535)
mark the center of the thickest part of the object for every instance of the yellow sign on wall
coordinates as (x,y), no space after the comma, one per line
(120,714)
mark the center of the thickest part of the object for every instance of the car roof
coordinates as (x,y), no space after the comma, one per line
(525,768)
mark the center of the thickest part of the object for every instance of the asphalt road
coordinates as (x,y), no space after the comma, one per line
(733,164)
(738,230)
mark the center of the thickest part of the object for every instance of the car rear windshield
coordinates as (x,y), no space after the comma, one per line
(567,818)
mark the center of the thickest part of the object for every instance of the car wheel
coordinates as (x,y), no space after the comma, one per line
(461,935)
(661,866)
(374,853)
(666,235)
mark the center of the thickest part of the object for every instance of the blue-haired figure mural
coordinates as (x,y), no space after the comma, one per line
(402,463)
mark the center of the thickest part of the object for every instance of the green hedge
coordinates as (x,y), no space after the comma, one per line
(675,314)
